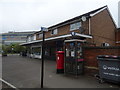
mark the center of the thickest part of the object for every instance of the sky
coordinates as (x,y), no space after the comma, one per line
(30,15)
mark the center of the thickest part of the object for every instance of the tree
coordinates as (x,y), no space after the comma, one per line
(18,48)
(13,48)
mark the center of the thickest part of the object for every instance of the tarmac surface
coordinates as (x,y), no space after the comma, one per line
(24,72)
(4,86)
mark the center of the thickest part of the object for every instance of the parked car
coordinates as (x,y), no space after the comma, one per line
(4,53)
(23,53)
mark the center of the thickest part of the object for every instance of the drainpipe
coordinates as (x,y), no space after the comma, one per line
(89,26)
(90,29)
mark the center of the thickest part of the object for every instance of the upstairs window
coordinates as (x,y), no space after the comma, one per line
(54,32)
(75,26)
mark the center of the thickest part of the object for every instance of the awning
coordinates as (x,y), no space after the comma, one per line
(58,37)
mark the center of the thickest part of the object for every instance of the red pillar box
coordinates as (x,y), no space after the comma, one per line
(60,61)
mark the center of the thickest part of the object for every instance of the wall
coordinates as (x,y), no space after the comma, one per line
(91,53)
(103,28)
(118,37)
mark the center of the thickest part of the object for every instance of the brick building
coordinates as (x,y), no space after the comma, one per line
(95,28)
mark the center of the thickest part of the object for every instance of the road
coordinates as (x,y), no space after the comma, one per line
(24,72)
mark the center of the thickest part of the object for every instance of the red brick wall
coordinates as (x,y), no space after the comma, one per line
(118,37)
(118,34)
(103,29)
(91,53)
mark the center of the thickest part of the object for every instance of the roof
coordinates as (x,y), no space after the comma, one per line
(86,14)
(75,18)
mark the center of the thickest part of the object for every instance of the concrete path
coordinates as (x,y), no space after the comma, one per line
(24,72)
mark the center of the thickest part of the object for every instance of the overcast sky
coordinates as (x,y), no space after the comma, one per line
(26,15)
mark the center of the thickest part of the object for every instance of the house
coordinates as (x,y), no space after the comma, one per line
(95,28)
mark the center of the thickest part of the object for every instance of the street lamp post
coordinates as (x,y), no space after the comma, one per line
(43,29)
(42,65)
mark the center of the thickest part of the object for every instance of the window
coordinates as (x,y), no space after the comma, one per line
(29,39)
(53,32)
(34,37)
(75,26)
(40,35)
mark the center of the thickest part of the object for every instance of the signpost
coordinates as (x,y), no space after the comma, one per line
(43,30)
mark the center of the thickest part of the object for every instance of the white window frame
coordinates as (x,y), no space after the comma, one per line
(75,26)
(54,32)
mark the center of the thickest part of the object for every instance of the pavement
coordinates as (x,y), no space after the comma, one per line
(24,72)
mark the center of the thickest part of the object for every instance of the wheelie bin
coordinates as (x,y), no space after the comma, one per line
(109,68)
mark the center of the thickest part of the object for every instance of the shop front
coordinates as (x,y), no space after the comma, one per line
(54,44)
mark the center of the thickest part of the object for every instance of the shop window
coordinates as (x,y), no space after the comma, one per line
(54,32)
(75,26)
(40,35)
(36,50)
(34,37)
(29,39)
